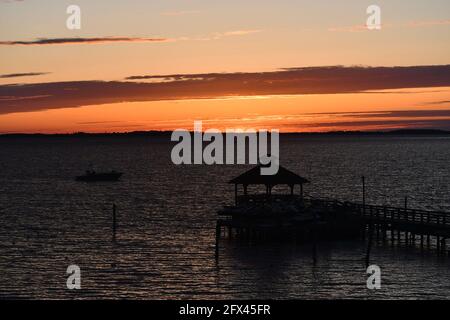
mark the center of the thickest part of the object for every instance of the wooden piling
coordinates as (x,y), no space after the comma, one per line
(406,220)
(314,248)
(421,235)
(369,244)
(114,223)
(364,194)
(438,244)
(444,246)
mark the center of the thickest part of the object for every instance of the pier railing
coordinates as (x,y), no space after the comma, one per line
(370,212)
(403,214)
(405,225)
(389,214)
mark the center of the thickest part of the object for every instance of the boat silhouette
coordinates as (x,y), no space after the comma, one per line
(92,176)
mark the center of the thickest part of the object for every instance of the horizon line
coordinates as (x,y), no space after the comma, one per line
(166,132)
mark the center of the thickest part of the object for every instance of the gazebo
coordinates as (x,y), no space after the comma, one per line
(254,177)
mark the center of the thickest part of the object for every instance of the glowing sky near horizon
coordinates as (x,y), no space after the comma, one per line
(225,36)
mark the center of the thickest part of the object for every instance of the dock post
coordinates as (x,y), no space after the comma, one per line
(438,238)
(364,194)
(444,246)
(392,235)
(369,244)
(364,204)
(392,228)
(407,239)
(438,244)
(314,253)
(114,223)
(421,234)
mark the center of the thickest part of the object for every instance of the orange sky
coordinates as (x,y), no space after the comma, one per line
(250,47)
(285,112)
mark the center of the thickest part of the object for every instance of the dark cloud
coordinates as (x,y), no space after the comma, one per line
(61,41)
(178,77)
(316,80)
(439,102)
(99,122)
(443,124)
(380,120)
(27,74)
(389,114)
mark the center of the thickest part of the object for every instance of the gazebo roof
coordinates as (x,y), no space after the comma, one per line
(284,176)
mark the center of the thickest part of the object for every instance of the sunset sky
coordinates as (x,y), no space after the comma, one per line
(293,65)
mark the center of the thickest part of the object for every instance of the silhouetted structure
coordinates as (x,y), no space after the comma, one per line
(254,177)
(92,176)
(299,218)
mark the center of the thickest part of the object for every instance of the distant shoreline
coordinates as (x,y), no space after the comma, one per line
(401,132)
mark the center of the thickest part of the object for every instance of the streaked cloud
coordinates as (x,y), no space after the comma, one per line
(25,74)
(370,124)
(367,121)
(219,35)
(67,41)
(310,80)
(327,121)
(240,32)
(100,40)
(389,114)
(439,102)
(179,13)
(411,24)
(355,28)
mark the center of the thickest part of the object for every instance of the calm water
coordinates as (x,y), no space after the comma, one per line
(167,214)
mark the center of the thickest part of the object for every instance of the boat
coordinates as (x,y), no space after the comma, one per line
(92,176)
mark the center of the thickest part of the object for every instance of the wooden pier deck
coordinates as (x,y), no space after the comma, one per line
(416,225)
(430,229)
(304,218)
(435,223)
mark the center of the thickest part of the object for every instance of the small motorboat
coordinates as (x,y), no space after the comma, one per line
(92,176)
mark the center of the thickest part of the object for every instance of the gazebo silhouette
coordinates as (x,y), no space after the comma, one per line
(254,177)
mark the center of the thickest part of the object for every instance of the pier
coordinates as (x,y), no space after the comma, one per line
(296,217)
(415,225)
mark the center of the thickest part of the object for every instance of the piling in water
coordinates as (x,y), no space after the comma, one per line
(114,223)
